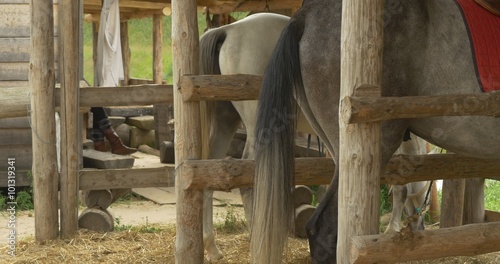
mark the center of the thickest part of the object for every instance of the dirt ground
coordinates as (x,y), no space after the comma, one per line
(147,235)
(156,244)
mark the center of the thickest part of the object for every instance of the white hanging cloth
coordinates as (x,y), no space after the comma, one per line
(109,65)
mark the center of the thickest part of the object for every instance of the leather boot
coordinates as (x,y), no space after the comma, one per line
(100,146)
(117,146)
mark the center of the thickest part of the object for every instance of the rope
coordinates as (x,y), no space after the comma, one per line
(424,205)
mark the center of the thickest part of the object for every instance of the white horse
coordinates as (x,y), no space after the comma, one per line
(243,47)
(413,197)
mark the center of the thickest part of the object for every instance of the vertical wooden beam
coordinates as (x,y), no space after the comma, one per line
(70,132)
(157,49)
(452,203)
(360,169)
(189,238)
(95,36)
(160,111)
(125,52)
(474,201)
(42,83)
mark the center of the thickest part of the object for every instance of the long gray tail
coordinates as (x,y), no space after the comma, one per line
(210,45)
(273,216)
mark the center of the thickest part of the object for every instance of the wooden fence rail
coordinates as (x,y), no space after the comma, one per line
(227,174)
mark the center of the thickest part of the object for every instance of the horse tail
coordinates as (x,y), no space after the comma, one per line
(273,216)
(210,44)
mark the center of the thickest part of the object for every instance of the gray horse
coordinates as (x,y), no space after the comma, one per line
(427,52)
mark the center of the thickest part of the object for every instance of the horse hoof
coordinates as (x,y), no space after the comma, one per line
(215,255)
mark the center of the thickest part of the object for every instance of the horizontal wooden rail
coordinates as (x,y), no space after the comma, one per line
(22,179)
(227,174)
(468,240)
(403,169)
(146,94)
(370,109)
(96,179)
(220,87)
(15,101)
(491,216)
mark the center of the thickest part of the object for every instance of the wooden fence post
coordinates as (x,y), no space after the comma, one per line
(160,111)
(452,203)
(42,82)
(359,182)
(189,237)
(70,127)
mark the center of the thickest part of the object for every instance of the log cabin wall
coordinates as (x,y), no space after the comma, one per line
(15,133)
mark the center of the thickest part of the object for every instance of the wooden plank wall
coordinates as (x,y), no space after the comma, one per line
(15,133)
(15,41)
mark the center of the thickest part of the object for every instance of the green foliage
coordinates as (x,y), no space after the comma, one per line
(314,189)
(492,195)
(3,201)
(141,48)
(24,200)
(385,203)
(232,222)
(121,227)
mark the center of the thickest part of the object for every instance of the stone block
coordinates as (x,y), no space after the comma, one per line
(145,122)
(141,137)
(123,132)
(167,152)
(116,120)
(127,111)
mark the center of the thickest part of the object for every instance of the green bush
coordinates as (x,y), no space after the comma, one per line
(3,201)
(492,195)
(24,201)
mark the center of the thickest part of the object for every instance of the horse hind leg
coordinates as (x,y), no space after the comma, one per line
(213,252)
(399,193)
(224,122)
(247,110)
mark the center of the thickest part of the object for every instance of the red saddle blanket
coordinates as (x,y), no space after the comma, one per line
(484,34)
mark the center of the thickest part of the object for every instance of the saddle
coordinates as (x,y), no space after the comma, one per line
(492,6)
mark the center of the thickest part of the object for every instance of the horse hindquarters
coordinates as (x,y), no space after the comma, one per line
(223,121)
(274,154)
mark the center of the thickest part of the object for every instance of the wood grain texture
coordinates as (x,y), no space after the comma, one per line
(71,160)
(468,240)
(220,87)
(95,179)
(369,109)
(42,82)
(226,174)
(359,155)
(188,138)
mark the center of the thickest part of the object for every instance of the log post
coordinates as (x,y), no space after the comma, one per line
(189,238)
(452,203)
(160,111)
(95,36)
(42,83)
(474,201)
(70,127)
(435,205)
(360,168)
(125,52)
